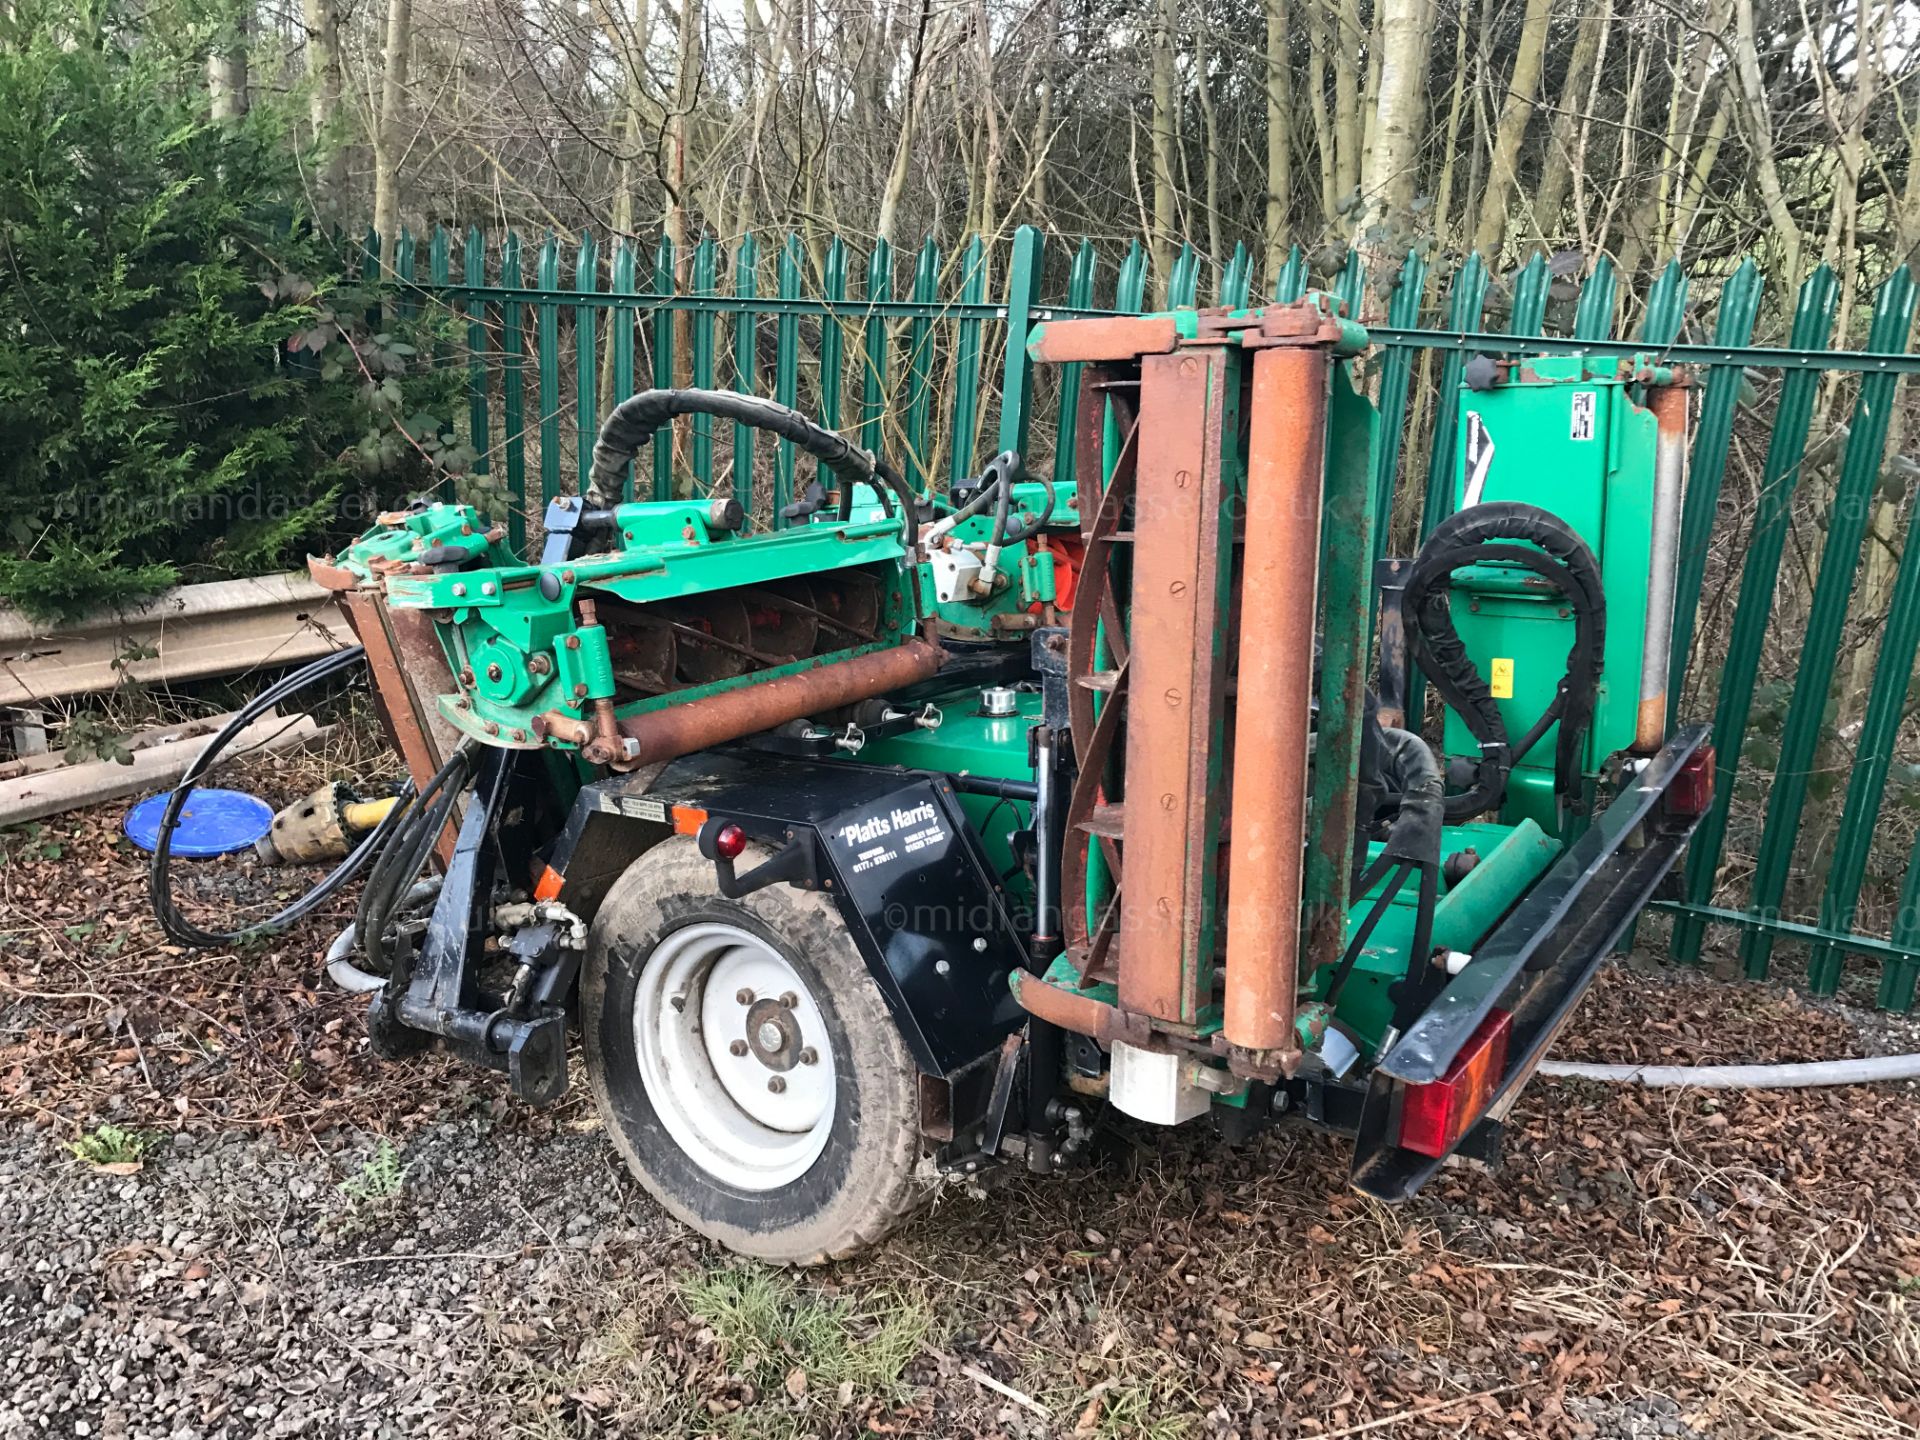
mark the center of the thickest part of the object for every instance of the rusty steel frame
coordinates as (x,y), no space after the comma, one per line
(1159,821)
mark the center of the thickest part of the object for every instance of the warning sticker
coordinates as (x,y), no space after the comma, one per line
(1500,678)
(1583,401)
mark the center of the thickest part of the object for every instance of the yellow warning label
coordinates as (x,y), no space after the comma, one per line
(1501,680)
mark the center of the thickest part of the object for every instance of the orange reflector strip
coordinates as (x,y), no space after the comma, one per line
(687,820)
(548,886)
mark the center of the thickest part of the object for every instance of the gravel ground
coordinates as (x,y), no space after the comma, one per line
(314,1243)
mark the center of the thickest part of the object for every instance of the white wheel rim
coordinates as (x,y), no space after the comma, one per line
(735,1056)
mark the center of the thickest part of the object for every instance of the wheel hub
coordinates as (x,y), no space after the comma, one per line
(734,1053)
(773,1035)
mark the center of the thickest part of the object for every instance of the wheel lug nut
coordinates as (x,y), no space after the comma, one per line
(789,999)
(777,1085)
(808,1055)
(745,997)
(738,1047)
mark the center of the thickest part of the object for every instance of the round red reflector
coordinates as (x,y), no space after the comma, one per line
(730,841)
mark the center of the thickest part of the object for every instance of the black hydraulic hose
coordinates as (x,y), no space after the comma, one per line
(1472,536)
(159,875)
(401,863)
(635,420)
(1365,932)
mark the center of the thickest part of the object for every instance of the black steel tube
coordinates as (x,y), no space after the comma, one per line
(1023,790)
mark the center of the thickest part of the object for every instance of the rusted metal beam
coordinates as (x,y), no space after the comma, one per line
(1286,461)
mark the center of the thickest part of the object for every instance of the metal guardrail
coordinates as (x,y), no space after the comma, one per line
(225,627)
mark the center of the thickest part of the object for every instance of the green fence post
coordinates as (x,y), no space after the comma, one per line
(1130,293)
(965,415)
(833,334)
(1023,296)
(926,293)
(624,281)
(513,395)
(1238,278)
(405,300)
(1396,371)
(1530,286)
(548,373)
(1350,285)
(1707,469)
(746,364)
(1826,618)
(439,276)
(474,269)
(1666,306)
(1291,283)
(1465,302)
(786,375)
(1812,324)
(705,281)
(1898,977)
(1079,297)
(873,349)
(586,378)
(1593,316)
(1183,281)
(664,261)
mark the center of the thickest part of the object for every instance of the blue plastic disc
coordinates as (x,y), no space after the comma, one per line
(213,822)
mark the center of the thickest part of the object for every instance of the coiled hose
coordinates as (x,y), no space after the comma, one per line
(159,874)
(1472,537)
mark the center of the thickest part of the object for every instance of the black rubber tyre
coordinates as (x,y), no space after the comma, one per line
(864,1181)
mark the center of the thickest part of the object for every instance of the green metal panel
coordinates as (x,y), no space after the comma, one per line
(873,350)
(1812,323)
(663,285)
(1079,297)
(1706,470)
(746,366)
(586,371)
(1897,979)
(406,300)
(1023,295)
(625,279)
(1847,516)
(1593,319)
(548,373)
(474,266)
(513,396)
(965,427)
(700,341)
(833,335)
(926,293)
(786,374)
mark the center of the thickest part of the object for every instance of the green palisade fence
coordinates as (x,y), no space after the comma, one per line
(815,321)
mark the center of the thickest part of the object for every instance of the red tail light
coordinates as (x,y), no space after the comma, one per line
(1434,1116)
(1691,792)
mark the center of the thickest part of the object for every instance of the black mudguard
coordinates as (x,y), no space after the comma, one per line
(892,847)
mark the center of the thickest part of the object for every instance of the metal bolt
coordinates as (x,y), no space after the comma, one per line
(459,589)
(486,587)
(941,967)
(738,1047)
(745,997)
(493,727)
(809,1056)
(580,691)
(493,672)
(573,642)
(777,1085)
(980,944)
(770,1036)
(519,735)
(539,665)
(789,999)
